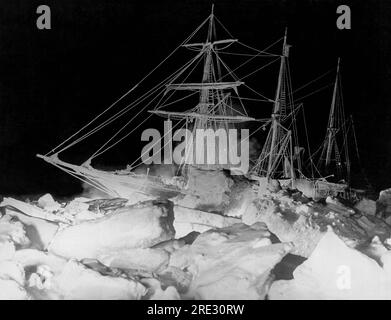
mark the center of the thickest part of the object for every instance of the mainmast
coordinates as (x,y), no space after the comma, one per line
(276,111)
(331,129)
(277,156)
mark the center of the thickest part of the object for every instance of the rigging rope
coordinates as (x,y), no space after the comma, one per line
(180,99)
(152,91)
(313,92)
(308,146)
(231,72)
(247,61)
(162,138)
(246,55)
(129,107)
(263,51)
(314,80)
(99,152)
(259,69)
(221,24)
(133,88)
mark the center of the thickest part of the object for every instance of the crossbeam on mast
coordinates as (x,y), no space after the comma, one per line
(209,44)
(204,85)
(195,115)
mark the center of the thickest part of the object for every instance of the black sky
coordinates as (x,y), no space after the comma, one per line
(53,81)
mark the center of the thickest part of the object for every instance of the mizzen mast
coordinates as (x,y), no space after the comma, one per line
(331,128)
(335,145)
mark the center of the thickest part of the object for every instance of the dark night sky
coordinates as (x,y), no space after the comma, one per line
(53,81)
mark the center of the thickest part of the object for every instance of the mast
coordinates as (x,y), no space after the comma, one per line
(212,102)
(204,94)
(210,111)
(276,110)
(331,130)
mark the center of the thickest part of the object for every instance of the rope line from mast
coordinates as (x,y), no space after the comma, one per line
(100,151)
(132,105)
(162,138)
(314,80)
(315,91)
(129,91)
(231,72)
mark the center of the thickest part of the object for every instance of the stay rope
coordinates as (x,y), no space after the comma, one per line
(129,91)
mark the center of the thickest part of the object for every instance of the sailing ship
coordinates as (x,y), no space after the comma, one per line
(218,105)
(214,109)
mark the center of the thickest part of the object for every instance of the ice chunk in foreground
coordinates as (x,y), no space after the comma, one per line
(39,231)
(13,230)
(12,279)
(288,220)
(230,263)
(335,271)
(76,282)
(138,226)
(146,259)
(155,291)
(11,290)
(7,250)
(188,220)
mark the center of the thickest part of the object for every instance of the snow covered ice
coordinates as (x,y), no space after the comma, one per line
(247,244)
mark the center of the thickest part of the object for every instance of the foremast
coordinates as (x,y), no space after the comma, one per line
(212,105)
(213,110)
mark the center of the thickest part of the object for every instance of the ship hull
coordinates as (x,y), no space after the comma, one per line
(123,184)
(320,189)
(316,189)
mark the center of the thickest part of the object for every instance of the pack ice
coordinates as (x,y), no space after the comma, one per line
(241,244)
